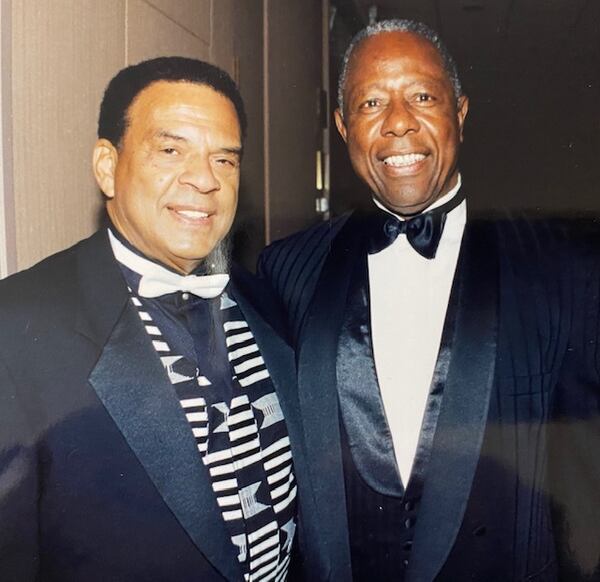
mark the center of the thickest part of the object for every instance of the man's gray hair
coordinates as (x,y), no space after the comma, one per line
(218,261)
(398,25)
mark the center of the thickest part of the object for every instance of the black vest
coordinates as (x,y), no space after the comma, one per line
(381,527)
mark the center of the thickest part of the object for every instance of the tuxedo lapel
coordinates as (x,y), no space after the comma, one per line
(462,419)
(362,407)
(134,388)
(253,300)
(317,391)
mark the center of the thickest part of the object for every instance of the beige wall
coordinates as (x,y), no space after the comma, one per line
(7,223)
(293,76)
(63,54)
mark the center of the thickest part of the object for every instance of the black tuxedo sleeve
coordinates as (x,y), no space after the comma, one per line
(574,434)
(18,487)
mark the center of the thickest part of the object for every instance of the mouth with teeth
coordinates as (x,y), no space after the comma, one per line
(404,160)
(190,215)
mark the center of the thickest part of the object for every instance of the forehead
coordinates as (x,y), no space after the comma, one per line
(166,102)
(393,53)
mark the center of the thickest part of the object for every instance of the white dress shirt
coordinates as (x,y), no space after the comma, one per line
(409,296)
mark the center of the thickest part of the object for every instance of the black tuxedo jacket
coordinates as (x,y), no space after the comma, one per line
(100,478)
(512,489)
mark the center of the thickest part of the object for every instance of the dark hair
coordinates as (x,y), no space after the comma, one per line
(398,25)
(128,83)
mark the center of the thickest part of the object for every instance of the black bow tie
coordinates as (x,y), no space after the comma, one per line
(423,231)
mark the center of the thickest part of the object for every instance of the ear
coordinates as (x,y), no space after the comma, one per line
(461,113)
(339,123)
(104,164)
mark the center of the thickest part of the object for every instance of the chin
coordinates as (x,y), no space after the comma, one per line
(406,206)
(409,203)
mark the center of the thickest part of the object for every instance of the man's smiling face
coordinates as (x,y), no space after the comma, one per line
(173,183)
(401,121)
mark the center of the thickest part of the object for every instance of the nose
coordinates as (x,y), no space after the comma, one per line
(399,119)
(199,174)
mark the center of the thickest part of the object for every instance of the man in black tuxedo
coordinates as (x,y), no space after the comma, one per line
(448,366)
(147,416)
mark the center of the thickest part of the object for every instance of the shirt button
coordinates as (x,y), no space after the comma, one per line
(408,523)
(185,296)
(409,506)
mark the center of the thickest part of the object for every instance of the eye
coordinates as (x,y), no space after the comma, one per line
(227,162)
(169,151)
(370,103)
(424,98)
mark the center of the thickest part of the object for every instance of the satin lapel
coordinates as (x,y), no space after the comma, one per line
(279,358)
(317,390)
(365,421)
(135,390)
(462,420)
(131,383)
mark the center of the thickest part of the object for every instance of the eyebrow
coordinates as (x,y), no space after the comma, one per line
(168,135)
(369,87)
(236,151)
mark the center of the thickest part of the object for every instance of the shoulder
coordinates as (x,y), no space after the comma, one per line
(538,236)
(45,290)
(47,278)
(547,256)
(292,266)
(301,252)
